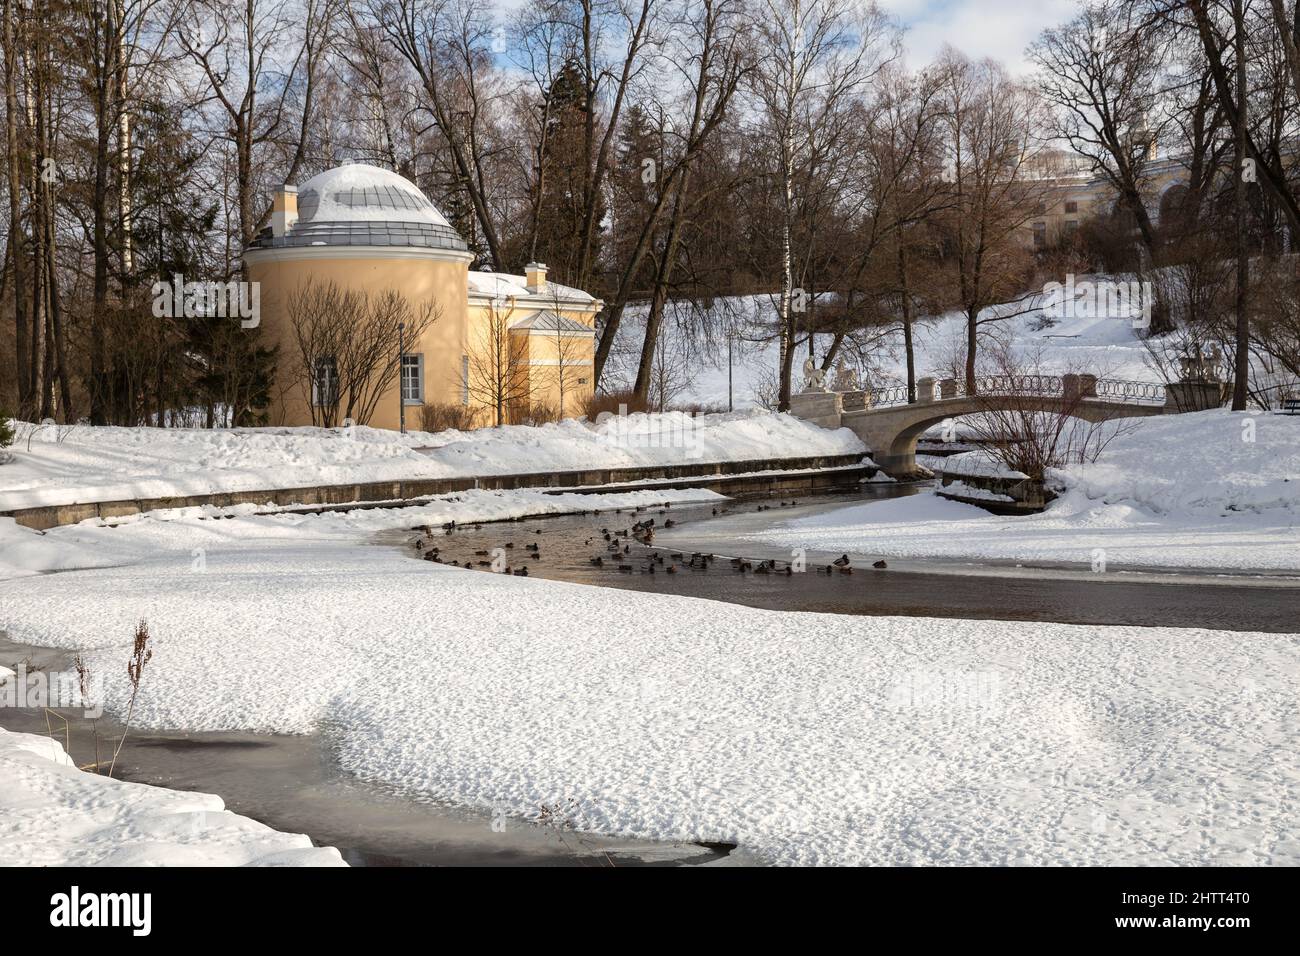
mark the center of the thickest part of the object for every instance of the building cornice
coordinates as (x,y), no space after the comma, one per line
(539,302)
(552,334)
(290,253)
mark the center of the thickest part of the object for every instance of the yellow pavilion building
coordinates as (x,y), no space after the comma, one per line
(368,230)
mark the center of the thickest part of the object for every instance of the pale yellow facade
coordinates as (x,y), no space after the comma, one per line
(550,327)
(1070,200)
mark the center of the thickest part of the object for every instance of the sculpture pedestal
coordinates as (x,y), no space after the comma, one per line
(820,408)
(1196,396)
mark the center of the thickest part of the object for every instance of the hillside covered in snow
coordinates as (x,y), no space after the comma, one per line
(1107,346)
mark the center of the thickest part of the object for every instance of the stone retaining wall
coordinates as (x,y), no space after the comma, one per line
(397,492)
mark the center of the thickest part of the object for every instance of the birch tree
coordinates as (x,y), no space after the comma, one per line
(812,56)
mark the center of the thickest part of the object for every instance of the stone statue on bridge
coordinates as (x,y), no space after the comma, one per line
(1201,365)
(846,379)
(814,378)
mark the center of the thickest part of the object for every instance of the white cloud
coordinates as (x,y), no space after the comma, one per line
(979,28)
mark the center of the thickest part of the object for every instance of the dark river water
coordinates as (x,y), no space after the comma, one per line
(984,590)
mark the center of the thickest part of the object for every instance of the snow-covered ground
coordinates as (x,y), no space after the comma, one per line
(1214,489)
(806,738)
(81,463)
(52,814)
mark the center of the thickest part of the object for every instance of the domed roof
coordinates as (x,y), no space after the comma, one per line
(361,205)
(357,192)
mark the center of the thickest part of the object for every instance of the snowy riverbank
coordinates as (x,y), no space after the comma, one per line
(52,814)
(805,738)
(82,463)
(1218,490)
(25,552)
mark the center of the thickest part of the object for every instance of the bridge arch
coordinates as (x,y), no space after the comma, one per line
(892,433)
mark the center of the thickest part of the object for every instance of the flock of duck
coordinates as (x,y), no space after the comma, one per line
(617,552)
(486,559)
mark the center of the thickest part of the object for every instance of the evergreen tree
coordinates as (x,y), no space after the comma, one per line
(635,182)
(563,163)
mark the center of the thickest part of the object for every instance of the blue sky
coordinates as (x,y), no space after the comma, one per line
(997,28)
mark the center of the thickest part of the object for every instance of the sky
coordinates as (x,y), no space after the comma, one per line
(1001,29)
(996,28)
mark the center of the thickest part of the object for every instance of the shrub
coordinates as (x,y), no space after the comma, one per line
(6,430)
(441,416)
(700,408)
(539,413)
(610,402)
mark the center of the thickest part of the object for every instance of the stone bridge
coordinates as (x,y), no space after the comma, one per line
(890,425)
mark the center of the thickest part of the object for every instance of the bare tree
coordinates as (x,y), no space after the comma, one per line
(1210,20)
(15,251)
(1024,432)
(236,45)
(346,347)
(673,370)
(572,356)
(898,191)
(991,127)
(497,370)
(817,54)
(448,45)
(1101,72)
(369,59)
(712,57)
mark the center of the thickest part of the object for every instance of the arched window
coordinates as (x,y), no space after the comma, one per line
(1173,205)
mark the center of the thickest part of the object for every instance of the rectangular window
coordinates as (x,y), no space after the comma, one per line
(1072,206)
(1040,234)
(1071,226)
(325,382)
(464,379)
(413,379)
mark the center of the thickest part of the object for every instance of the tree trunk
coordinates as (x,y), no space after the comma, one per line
(104,94)
(654,320)
(1242,372)
(123,144)
(787,273)
(21,334)
(56,346)
(1273,180)
(616,307)
(906,295)
(40,359)
(972,335)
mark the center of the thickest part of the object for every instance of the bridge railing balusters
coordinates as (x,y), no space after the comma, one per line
(1085,387)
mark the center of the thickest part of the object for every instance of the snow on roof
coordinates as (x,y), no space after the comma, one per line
(504,284)
(548,321)
(360,205)
(357,192)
